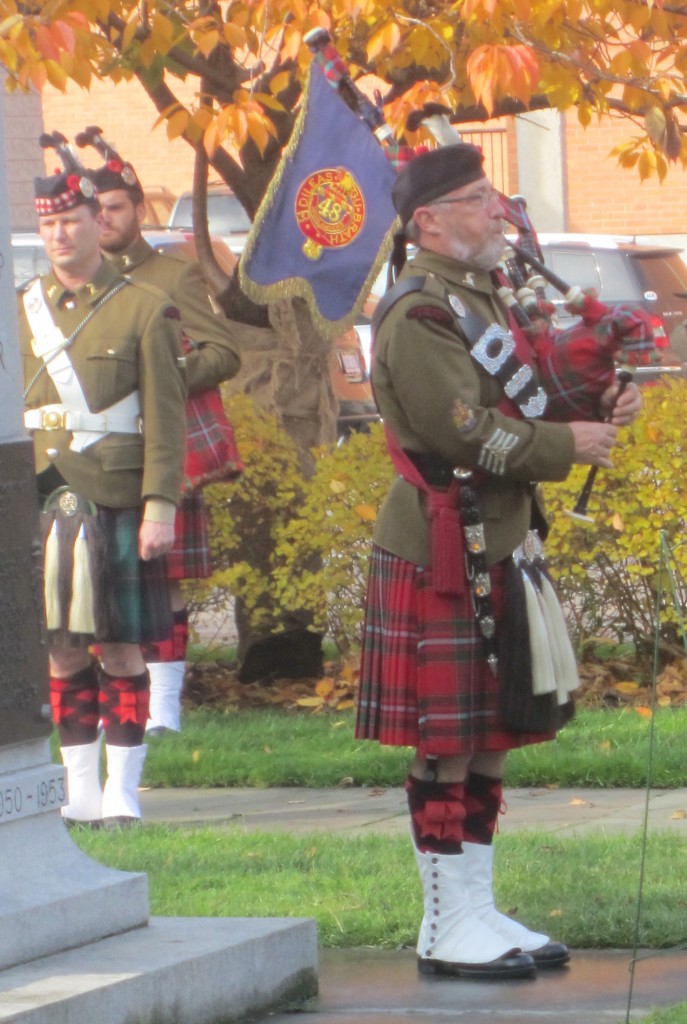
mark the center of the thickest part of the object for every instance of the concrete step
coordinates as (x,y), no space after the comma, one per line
(176,970)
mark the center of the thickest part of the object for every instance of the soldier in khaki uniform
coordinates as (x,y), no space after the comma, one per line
(459,610)
(212,356)
(104,396)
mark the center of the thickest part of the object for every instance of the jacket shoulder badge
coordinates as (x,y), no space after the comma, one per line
(430,304)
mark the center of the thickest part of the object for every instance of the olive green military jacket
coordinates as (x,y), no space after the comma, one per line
(132,343)
(436,399)
(215,356)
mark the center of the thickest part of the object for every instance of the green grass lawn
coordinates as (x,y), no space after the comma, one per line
(366,891)
(280,748)
(673,1015)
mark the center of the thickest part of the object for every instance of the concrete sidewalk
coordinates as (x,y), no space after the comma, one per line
(364,986)
(357,811)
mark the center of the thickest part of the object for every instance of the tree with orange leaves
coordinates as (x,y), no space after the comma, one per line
(247,59)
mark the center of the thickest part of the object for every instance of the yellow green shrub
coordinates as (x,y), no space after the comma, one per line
(611,575)
(284,544)
(323,550)
(245,517)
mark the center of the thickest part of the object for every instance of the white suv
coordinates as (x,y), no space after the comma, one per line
(227,219)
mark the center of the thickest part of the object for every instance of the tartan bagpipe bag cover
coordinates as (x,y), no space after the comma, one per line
(212,455)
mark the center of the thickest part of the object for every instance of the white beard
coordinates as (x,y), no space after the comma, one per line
(484,255)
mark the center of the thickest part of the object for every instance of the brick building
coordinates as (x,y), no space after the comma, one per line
(565,172)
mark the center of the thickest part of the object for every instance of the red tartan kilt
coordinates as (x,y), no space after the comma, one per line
(189,558)
(424,680)
(211,452)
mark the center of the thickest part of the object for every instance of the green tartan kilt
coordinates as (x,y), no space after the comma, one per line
(131,602)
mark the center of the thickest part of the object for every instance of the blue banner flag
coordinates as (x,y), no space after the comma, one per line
(326,223)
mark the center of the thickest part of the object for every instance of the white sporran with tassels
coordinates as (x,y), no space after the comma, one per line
(554,667)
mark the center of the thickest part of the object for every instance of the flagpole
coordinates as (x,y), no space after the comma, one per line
(320,44)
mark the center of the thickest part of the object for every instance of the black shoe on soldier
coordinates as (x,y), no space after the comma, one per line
(553,954)
(511,965)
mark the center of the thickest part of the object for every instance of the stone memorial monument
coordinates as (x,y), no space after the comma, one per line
(76,943)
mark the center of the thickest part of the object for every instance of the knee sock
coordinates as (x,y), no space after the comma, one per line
(124,702)
(483,798)
(75,707)
(436,815)
(174,647)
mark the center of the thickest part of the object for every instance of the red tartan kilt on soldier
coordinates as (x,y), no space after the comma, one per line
(424,678)
(189,558)
(211,457)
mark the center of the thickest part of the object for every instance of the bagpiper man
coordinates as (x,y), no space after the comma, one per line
(212,349)
(465,653)
(104,396)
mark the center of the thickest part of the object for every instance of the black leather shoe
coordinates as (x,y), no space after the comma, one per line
(121,821)
(511,965)
(553,954)
(74,823)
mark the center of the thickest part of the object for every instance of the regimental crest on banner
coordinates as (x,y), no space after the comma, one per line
(330,210)
(326,223)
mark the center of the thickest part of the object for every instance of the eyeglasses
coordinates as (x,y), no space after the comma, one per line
(480,200)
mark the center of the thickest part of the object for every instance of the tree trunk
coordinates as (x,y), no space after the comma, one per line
(285,368)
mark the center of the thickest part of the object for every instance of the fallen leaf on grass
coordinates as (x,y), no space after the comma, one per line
(626,687)
(679,814)
(324,687)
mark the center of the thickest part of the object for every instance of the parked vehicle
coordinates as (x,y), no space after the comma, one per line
(651,277)
(227,219)
(29,259)
(159,202)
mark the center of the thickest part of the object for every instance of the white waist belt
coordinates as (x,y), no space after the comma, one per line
(58,417)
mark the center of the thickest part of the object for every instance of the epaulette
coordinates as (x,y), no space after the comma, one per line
(427,284)
(153,289)
(170,254)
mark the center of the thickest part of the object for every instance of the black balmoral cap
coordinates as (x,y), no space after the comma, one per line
(433,174)
(117,174)
(63,191)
